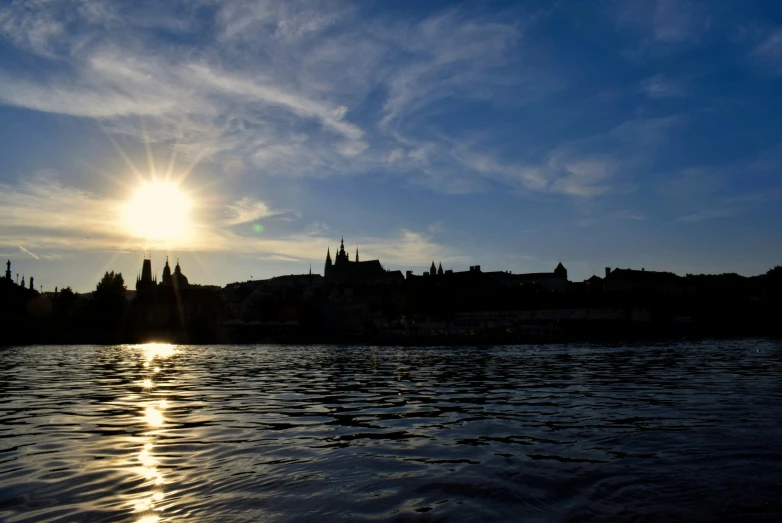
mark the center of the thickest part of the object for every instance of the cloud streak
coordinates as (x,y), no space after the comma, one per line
(282,86)
(769,52)
(26,251)
(48,215)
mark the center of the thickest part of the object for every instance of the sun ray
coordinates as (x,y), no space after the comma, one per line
(171,163)
(185,173)
(148,149)
(207,267)
(123,154)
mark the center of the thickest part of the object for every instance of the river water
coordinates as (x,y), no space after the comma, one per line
(672,431)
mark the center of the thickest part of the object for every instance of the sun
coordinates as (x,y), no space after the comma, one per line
(158,210)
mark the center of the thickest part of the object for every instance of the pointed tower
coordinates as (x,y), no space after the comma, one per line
(432,269)
(341,255)
(166,274)
(8,270)
(22,279)
(178,279)
(561,271)
(146,270)
(356,254)
(440,269)
(145,282)
(32,285)
(327,269)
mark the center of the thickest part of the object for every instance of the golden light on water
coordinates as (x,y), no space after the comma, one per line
(146,458)
(158,210)
(157,350)
(153,417)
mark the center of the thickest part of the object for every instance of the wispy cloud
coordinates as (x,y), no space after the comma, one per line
(449,53)
(704,193)
(42,211)
(616,216)
(658,27)
(584,168)
(678,21)
(662,86)
(45,214)
(710,214)
(246,210)
(275,85)
(769,52)
(26,251)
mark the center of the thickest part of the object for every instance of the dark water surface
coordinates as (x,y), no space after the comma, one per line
(682,431)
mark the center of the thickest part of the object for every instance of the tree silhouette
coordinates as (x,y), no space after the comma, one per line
(773,286)
(111,286)
(66,298)
(109,299)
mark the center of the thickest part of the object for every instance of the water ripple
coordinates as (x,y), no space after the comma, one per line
(160,433)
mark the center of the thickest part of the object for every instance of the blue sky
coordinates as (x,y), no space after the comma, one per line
(507,134)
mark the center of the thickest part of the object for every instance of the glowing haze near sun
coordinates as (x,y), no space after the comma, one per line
(158,210)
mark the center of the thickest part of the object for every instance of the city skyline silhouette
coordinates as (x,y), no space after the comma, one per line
(510,136)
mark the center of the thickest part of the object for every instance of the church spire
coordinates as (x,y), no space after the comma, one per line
(357,254)
(166,274)
(432,269)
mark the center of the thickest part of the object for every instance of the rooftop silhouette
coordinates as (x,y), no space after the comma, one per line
(361,300)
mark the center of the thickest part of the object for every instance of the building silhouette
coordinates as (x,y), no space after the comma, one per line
(552,281)
(176,280)
(625,280)
(344,270)
(172,308)
(145,282)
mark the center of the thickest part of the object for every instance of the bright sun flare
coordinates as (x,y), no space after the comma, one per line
(158,210)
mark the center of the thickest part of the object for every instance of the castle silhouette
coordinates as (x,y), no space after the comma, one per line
(344,270)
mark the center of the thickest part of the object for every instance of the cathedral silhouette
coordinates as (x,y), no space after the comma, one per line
(344,270)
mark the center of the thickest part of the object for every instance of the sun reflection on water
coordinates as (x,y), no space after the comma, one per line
(158,350)
(154,419)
